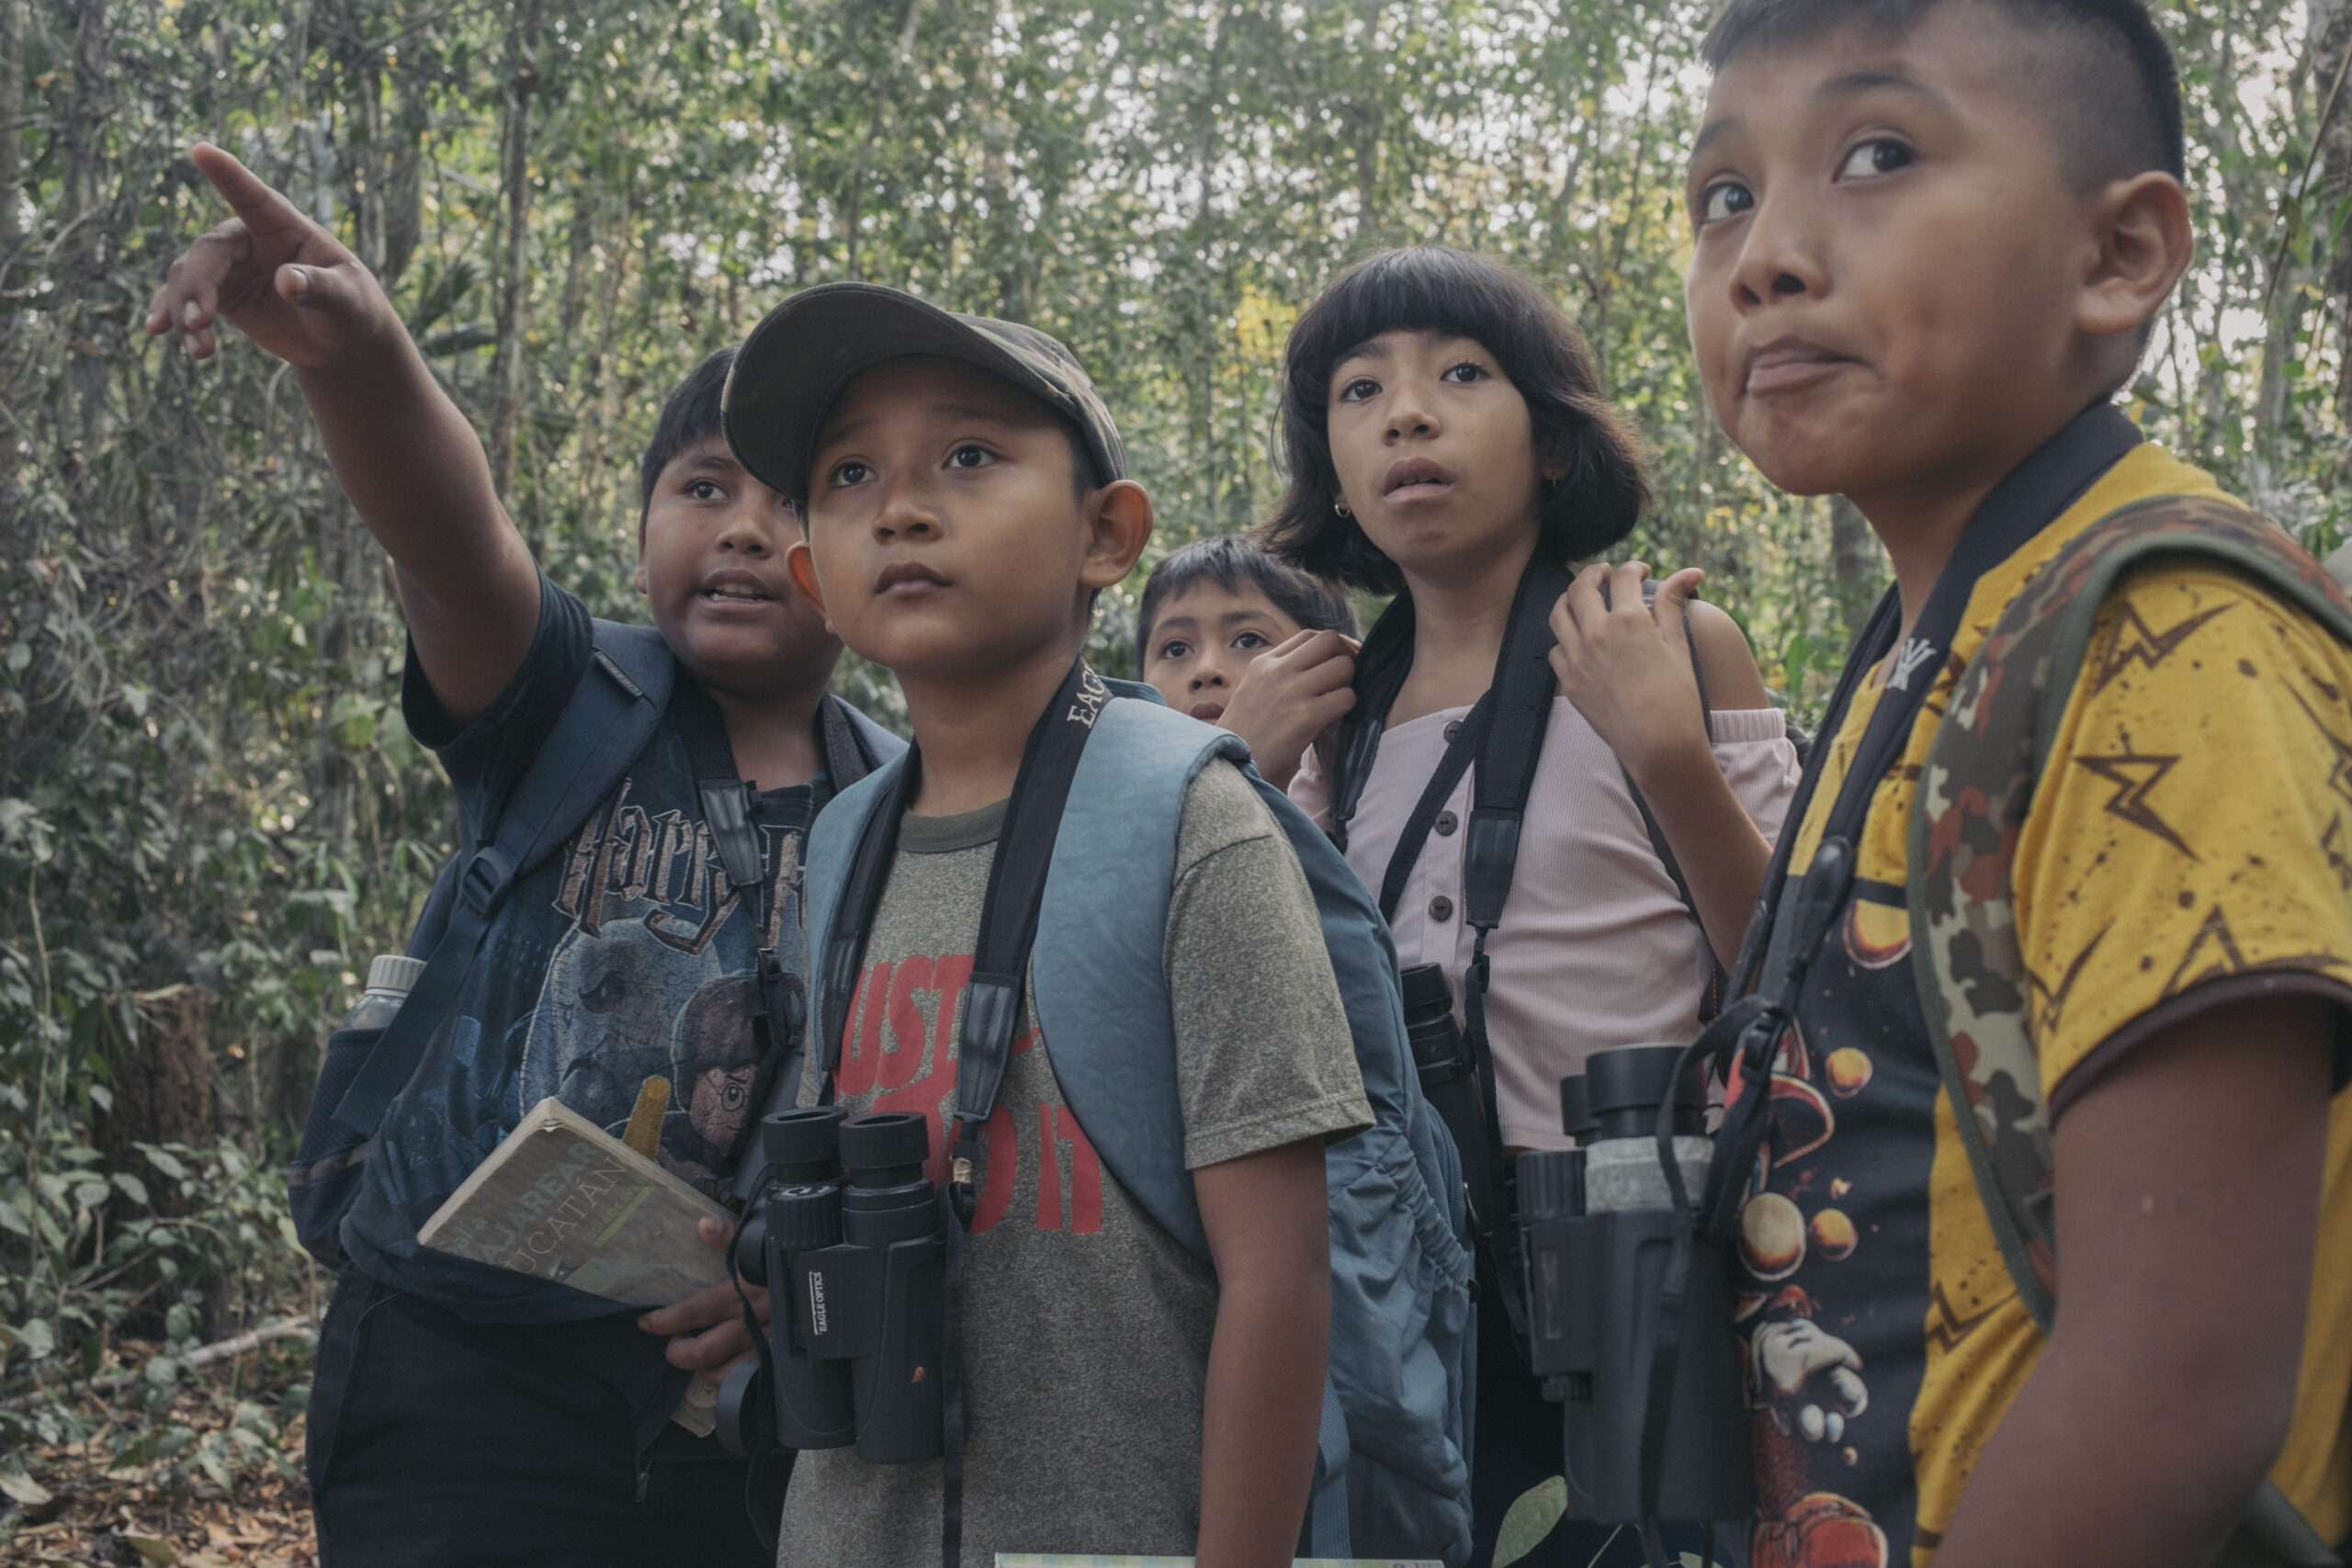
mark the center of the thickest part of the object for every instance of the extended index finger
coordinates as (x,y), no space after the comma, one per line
(264,209)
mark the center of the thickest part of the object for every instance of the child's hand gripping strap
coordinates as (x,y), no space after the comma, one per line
(993,998)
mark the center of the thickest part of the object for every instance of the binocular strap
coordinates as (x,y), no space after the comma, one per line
(991,1004)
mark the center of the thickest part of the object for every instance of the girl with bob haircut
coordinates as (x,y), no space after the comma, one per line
(1449,443)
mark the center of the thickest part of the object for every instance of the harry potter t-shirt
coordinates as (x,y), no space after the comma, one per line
(626,955)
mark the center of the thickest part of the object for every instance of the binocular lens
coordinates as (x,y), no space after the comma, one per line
(803,1145)
(1622,1089)
(1426,992)
(1575,1113)
(886,1149)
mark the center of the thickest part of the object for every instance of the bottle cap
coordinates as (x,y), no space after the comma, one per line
(394,972)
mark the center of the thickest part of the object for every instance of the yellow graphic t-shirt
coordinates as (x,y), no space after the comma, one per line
(2193,824)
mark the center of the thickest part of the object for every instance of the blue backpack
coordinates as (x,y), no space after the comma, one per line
(1392,1475)
(611,715)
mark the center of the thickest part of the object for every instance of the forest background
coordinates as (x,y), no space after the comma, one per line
(211,814)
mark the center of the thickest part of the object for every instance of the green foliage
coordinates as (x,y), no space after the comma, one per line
(205,776)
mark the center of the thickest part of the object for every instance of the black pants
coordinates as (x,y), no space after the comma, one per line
(437,1441)
(1517,1448)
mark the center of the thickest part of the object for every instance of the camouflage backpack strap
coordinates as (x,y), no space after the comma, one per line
(1974,791)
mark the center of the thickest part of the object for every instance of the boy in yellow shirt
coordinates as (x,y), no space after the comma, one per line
(1929,239)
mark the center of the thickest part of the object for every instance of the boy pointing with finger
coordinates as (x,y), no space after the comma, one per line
(460,1414)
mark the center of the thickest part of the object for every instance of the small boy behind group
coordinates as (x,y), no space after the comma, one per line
(966,500)
(460,1414)
(1931,237)
(1239,639)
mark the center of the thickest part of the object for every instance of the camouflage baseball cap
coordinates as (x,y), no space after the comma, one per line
(802,357)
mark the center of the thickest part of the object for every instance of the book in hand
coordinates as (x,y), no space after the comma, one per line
(565,1201)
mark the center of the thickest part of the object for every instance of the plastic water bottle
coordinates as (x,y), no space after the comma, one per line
(389,980)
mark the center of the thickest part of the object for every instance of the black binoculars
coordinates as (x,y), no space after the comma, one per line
(1448,1071)
(850,1240)
(1599,1228)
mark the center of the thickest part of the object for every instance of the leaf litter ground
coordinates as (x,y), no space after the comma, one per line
(165,1511)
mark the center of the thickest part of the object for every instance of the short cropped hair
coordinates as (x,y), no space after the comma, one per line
(1237,565)
(690,414)
(2103,70)
(1602,488)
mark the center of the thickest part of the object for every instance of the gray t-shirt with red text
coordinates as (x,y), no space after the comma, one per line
(1087,1330)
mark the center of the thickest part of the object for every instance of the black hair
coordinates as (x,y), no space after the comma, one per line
(1084,476)
(2109,79)
(691,414)
(1235,564)
(1601,489)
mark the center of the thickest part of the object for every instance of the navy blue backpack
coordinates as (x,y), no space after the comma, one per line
(598,735)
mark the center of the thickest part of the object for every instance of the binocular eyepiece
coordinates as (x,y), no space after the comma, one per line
(1598,1228)
(849,1239)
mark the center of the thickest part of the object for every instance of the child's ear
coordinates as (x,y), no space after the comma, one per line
(637,578)
(1118,523)
(2144,245)
(801,567)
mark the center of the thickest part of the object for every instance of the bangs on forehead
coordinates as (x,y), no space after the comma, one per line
(1425,288)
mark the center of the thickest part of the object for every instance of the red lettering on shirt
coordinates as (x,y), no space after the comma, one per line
(902,1057)
(1049,1175)
(1055,1124)
(905,1077)
(1085,1174)
(862,1046)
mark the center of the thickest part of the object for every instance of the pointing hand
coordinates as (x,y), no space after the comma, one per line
(281,279)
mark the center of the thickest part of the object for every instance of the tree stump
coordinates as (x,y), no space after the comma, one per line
(162,1082)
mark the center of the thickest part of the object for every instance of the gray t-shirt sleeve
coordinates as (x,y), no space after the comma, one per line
(1263,1054)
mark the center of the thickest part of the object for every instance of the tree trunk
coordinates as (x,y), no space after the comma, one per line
(82,255)
(162,1082)
(899,58)
(1857,565)
(513,283)
(2333,91)
(2289,272)
(11,109)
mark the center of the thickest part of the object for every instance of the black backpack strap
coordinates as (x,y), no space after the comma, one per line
(848,755)
(1382,664)
(1503,733)
(991,1004)
(1711,1000)
(602,727)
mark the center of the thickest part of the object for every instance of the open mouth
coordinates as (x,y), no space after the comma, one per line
(1414,477)
(734,588)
